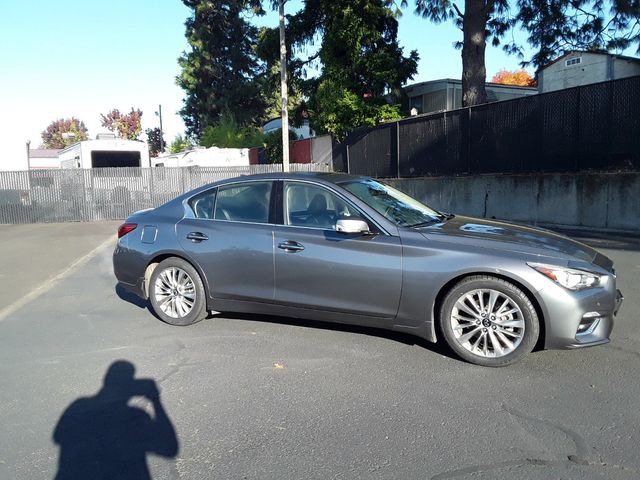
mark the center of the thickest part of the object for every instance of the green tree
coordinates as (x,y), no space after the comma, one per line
(64,132)
(180,144)
(363,67)
(559,26)
(554,27)
(126,126)
(220,70)
(272,144)
(227,133)
(340,110)
(155,141)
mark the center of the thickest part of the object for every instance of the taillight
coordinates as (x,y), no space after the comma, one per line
(126,228)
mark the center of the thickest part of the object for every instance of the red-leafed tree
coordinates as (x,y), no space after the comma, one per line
(126,126)
(520,78)
(64,132)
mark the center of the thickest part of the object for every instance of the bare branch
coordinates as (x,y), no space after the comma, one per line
(460,14)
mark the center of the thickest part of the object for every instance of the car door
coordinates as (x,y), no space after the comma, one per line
(317,267)
(231,238)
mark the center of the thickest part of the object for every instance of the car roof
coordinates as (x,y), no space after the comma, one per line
(331,177)
(322,177)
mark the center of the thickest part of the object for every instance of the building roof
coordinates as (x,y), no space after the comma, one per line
(43,153)
(456,81)
(572,52)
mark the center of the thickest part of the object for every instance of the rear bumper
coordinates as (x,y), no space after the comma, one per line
(136,288)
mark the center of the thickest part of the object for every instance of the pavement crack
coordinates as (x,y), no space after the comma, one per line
(582,449)
(579,458)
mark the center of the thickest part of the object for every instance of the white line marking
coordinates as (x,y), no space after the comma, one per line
(48,284)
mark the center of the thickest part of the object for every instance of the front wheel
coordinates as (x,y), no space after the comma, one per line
(177,293)
(489,321)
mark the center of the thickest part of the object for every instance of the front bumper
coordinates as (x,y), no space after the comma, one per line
(619,300)
(580,319)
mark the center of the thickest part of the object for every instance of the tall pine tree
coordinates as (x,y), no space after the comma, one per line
(558,26)
(362,66)
(220,71)
(554,27)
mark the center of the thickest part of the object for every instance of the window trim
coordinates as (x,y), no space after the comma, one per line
(570,62)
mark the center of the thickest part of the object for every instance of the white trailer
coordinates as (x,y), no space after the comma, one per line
(102,180)
(105,153)
(205,157)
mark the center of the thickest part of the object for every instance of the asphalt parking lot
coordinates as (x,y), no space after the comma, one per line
(252,397)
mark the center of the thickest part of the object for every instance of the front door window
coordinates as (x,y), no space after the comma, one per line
(308,205)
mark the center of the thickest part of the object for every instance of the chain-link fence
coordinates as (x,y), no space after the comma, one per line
(40,196)
(593,127)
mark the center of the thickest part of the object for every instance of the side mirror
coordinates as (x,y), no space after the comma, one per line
(352,225)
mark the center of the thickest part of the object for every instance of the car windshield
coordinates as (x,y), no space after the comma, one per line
(396,206)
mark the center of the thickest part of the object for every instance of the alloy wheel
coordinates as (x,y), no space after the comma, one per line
(487,323)
(175,292)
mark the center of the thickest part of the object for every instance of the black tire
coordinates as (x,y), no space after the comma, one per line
(491,338)
(160,291)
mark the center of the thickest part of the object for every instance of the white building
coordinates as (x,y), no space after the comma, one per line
(43,158)
(446,94)
(583,68)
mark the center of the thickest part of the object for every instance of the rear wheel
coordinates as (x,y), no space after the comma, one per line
(489,321)
(177,293)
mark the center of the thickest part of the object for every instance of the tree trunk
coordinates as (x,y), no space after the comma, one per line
(474,72)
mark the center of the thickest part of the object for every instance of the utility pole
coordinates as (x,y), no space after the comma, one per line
(159,114)
(29,155)
(283,90)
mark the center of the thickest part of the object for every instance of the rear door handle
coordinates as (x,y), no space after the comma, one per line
(291,246)
(197,236)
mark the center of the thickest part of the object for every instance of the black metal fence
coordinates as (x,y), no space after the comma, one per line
(40,196)
(593,127)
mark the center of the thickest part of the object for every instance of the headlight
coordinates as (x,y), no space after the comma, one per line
(567,277)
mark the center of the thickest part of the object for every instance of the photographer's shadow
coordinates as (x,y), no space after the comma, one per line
(105,437)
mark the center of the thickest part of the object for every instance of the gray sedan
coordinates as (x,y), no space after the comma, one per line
(353,250)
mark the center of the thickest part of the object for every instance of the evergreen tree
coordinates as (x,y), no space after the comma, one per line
(480,21)
(554,28)
(220,71)
(155,140)
(363,67)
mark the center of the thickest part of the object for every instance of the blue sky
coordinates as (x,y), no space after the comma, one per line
(68,58)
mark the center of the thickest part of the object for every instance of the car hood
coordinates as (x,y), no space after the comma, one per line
(517,238)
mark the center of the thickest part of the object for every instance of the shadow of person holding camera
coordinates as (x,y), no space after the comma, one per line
(104,437)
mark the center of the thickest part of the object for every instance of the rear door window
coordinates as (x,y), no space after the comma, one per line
(244,202)
(203,203)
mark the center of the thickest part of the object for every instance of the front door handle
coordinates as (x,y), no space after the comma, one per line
(291,246)
(197,236)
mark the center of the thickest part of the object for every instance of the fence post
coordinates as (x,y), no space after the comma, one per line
(398,149)
(85,209)
(577,141)
(469,141)
(346,149)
